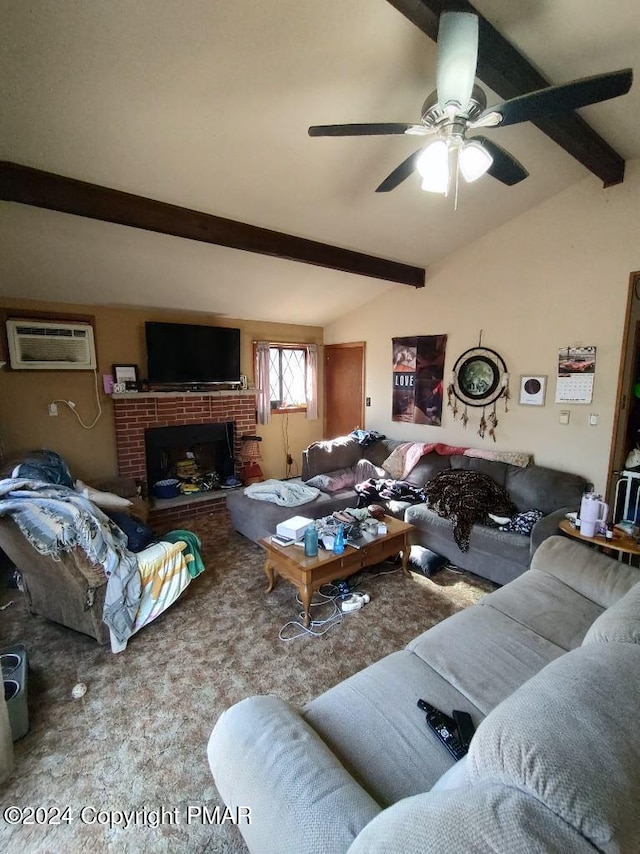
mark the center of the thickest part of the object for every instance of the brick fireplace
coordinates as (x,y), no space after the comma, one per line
(136,412)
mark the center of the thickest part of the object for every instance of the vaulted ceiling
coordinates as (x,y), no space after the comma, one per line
(206,106)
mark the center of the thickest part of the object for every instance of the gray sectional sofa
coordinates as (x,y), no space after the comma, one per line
(548,667)
(494,554)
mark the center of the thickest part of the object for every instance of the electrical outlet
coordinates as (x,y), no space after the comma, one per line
(289,460)
(367,401)
(53,409)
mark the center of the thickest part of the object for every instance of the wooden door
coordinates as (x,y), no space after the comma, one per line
(343,388)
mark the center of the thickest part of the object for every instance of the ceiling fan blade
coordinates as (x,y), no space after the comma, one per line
(505,168)
(457,60)
(360,129)
(563,98)
(400,173)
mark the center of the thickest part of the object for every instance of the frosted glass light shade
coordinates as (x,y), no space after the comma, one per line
(433,166)
(474,161)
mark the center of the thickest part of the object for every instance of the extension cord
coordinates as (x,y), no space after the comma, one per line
(354,602)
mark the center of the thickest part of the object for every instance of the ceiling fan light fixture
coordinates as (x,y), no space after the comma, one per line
(433,167)
(474,161)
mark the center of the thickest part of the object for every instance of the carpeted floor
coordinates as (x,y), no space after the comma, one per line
(137,739)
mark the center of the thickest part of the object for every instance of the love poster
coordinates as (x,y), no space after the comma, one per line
(418,371)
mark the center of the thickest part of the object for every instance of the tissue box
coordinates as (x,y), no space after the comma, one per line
(293,528)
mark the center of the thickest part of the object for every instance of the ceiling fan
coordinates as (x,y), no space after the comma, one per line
(459,105)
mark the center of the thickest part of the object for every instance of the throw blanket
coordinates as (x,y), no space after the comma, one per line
(466,498)
(56,519)
(405,457)
(373,490)
(287,493)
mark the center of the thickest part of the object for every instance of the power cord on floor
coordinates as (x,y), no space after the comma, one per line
(317,628)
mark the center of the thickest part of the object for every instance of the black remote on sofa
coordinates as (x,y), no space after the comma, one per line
(465,726)
(444,727)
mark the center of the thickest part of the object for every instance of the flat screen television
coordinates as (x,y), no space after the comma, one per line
(189,354)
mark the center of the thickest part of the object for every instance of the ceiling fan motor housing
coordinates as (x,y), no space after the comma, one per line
(432,112)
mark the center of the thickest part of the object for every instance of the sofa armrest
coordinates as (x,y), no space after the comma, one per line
(266,758)
(481,818)
(547,527)
(599,578)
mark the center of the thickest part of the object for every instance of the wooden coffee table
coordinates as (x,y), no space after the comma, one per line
(308,574)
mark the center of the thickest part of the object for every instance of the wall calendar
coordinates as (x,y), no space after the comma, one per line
(576,370)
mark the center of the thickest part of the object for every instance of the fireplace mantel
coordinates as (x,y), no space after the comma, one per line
(135,395)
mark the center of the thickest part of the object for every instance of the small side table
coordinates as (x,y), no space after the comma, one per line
(620,543)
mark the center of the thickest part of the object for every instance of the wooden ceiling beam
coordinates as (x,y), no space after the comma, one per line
(30,186)
(508,73)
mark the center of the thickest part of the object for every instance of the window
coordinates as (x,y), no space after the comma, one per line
(287,377)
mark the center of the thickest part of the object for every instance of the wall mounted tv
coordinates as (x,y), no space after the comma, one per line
(189,354)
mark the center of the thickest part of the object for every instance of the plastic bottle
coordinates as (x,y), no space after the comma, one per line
(338,540)
(311,541)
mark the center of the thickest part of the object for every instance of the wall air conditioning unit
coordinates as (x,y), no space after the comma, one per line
(43,345)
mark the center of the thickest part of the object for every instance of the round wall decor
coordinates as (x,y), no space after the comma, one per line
(478,377)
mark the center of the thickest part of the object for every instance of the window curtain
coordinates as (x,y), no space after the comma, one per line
(312,381)
(263,394)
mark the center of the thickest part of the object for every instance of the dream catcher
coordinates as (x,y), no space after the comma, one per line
(479,379)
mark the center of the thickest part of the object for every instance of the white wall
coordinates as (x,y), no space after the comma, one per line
(557,275)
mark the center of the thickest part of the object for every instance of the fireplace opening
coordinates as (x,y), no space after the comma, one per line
(199,456)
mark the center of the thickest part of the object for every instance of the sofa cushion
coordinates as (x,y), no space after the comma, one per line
(495,470)
(568,736)
(547,606)
(372,723)
(581,567)
(103,500)
(513,546)
(546,489)
(484,654)
(620,622)
(427,467)
(333,481)
(380,450)
(321,457)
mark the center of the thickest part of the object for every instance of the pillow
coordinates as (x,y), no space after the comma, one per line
(139,535)
(334,481)
(521,523)
(425,560)
(104,500)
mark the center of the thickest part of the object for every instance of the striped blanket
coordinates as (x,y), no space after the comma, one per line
(56,519)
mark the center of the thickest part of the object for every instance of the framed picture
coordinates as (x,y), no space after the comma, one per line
(126,375)
(532,389)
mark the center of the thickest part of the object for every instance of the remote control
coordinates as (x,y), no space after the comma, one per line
(282,541)
(465,726)
(431,710)
(446,736)
(444,727)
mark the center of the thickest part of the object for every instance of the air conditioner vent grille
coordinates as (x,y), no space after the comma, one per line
(35,345)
